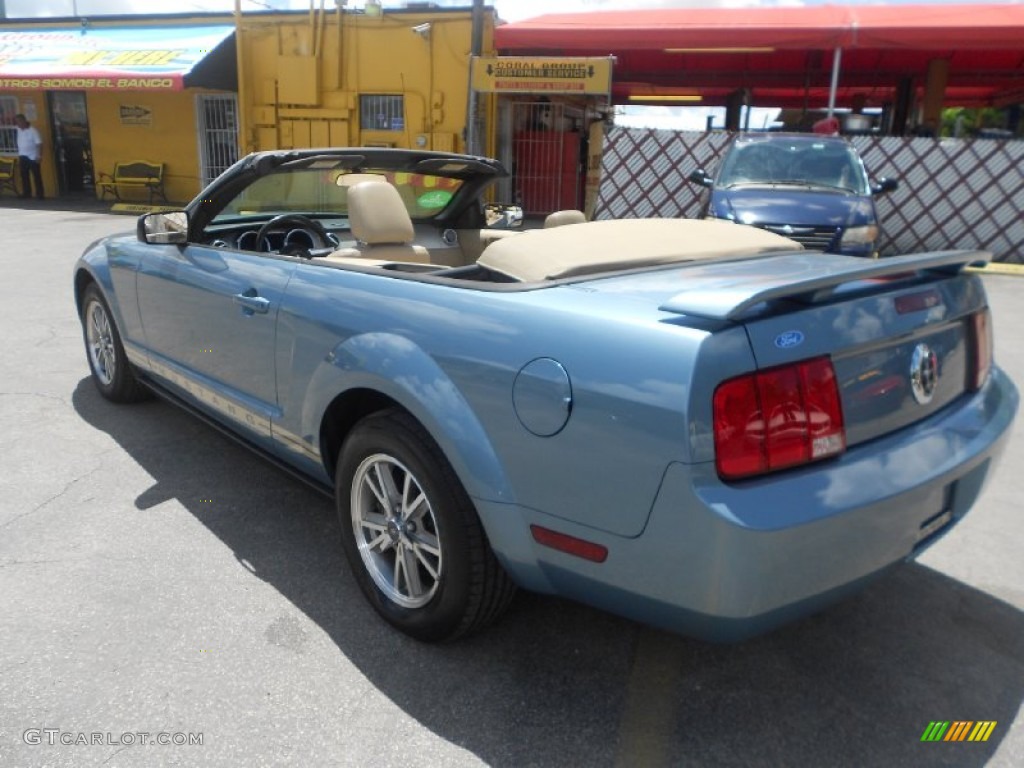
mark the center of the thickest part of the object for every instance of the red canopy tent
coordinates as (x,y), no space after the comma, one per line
(785,55)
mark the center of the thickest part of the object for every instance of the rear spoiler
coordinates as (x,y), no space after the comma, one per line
(820,276)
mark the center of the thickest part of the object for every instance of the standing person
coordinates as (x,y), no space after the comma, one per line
(30,145)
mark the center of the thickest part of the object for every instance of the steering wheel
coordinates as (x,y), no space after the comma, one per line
(309,226)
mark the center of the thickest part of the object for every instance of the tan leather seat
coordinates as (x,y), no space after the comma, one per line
(381,224)
(561,218)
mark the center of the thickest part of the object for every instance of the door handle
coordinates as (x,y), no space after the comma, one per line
(251,303)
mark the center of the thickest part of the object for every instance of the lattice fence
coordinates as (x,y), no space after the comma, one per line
(953,193)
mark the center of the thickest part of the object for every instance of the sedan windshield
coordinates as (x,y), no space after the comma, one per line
(324,192)
(821,165)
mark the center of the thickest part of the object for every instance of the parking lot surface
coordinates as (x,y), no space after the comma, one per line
(159,582)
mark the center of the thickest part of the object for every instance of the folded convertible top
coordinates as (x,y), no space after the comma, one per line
(607,246)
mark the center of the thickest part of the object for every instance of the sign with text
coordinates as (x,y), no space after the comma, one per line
(135,114)
(104,58)
(536,74)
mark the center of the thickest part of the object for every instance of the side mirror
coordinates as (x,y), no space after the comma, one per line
(701,177)
(163,228)
(884,186)
(503,216)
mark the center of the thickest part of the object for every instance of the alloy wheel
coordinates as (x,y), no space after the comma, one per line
(396,531)
(100,338)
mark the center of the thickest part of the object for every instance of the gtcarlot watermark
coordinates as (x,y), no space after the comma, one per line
(55,736)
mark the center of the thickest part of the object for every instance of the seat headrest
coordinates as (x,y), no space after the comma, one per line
(561,218)
(377,214)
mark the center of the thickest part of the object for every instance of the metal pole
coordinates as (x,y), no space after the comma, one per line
(837,60)
(242,115)
(476,46)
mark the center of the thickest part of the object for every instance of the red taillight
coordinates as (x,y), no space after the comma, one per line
(917,302)
(982,324)
(777,418)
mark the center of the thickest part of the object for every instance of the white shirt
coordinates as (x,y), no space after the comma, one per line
(29,142)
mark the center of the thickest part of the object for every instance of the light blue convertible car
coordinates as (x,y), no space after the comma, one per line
(691,423)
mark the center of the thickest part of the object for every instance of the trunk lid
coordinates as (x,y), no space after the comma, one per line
(899,331)
(898,357)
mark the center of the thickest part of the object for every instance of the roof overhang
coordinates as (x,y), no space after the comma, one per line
(136,58)
(986,26)
(784,54)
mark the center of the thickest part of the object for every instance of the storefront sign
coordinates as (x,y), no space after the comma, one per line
(133,114)
(104,58)
(530,74)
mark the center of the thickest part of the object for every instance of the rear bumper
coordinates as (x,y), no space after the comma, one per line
(725,562)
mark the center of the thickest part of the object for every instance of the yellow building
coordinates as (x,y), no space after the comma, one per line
(397,78)
(192,93)
(119,90)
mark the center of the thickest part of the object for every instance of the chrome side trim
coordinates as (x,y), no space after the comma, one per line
(262,423)
(137,356)
(297,444)
(243,414)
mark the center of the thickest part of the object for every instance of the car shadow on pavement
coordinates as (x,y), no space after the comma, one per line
(555,683)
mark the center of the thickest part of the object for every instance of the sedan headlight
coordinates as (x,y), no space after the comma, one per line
(860,235)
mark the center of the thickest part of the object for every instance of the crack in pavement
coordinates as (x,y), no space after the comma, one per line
(41,505)
(51,334)
(82,559)
(29,562)
(43,395)
(115,753)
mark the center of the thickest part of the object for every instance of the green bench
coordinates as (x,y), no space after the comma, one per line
(136,175)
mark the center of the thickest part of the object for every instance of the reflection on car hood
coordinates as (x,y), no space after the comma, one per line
(792,205)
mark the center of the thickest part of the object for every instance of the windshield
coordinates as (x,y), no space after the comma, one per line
(828,165)
(324,192)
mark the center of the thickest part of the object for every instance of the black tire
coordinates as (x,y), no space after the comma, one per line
(440,598)
(111,372)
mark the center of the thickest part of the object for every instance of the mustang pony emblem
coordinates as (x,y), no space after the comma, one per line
(924,373)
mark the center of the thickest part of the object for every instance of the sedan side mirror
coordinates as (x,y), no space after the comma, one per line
(884,186)
(503,216)
(163,228)
(701,177)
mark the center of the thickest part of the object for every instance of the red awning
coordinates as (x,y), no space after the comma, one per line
(784,54)
(702,28)
(816,27)
(935,27)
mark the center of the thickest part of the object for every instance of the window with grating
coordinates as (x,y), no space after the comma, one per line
(8,133)
(218,133)
(381,112)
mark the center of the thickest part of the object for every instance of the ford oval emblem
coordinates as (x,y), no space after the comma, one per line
(789,339)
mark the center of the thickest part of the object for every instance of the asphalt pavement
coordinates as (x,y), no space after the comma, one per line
(160,583)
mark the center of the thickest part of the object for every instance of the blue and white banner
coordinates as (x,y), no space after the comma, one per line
(103,58)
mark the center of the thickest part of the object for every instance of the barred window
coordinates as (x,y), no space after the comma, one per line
(8,133)
(381,113)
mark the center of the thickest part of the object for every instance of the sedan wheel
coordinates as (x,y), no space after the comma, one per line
(111,372)
(411,534)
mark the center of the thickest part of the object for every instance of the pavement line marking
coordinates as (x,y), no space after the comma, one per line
(999,268)
(647,725)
